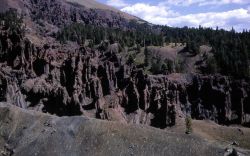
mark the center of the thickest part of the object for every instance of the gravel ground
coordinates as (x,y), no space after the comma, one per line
(29,133)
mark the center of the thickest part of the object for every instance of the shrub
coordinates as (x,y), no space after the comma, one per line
(188,122)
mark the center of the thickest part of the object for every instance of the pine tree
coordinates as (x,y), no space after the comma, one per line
(146,60)
(131,60)
(188,122)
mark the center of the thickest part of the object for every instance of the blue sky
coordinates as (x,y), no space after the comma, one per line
(208,13)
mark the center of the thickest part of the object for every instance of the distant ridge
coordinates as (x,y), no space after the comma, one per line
(93,4)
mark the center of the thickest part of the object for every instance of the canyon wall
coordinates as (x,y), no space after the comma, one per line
(99,83)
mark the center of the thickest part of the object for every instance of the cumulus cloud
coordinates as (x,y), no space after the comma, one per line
(149,12)
(204,2)
(238,18)
(160,14)
(117,3)
(182,2)
(163,13)
(222,2)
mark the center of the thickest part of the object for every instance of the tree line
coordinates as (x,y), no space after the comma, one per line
(80,32)
(231,48)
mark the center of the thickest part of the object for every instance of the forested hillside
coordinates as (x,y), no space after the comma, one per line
(231,49)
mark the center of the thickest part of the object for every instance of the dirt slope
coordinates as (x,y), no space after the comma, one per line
(26,133)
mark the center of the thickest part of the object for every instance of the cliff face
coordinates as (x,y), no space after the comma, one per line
(99,83)
(78,82)
(219,98)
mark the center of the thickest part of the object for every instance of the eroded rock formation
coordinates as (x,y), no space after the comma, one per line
(99,83)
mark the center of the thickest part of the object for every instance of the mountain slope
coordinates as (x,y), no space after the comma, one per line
(96,5)
(92,4)
(65,11)
(43,19)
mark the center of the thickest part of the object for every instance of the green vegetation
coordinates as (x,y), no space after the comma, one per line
(188,122)
(129,38)
(192,47)
(11,21)
(211,66)
(147,55)
(231,49)
(131,60)
(13,24)
(156,67)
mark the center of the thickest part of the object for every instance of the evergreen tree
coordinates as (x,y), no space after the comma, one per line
(146,60)
(131,60)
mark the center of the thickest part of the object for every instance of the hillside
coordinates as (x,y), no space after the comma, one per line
(96,5)
(44,18)
(93,4)
(63,12)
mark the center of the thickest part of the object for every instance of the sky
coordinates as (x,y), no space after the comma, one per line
(192,13)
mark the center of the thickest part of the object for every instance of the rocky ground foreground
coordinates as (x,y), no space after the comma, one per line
(29,133)
(81,136)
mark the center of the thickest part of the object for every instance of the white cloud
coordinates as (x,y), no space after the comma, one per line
(182,2)
(117,3)
(238,18)
(223,2)
(160,14)
(163,14)
(148,12)
(248,9)
(204,2)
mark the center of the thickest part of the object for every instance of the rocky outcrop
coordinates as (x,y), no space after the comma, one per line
(99,83)
(219,98)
